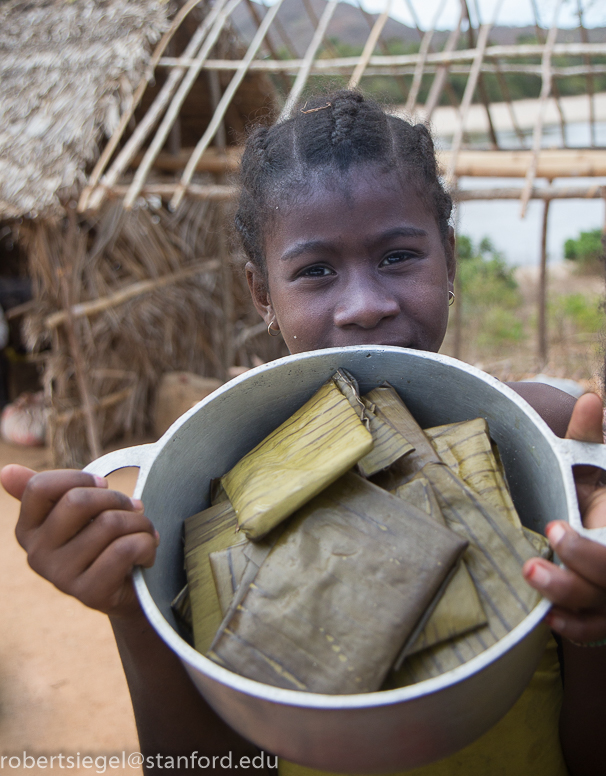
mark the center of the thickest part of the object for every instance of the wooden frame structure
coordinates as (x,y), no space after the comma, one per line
(476,61)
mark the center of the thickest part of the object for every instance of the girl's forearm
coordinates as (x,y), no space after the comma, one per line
(583,716)
(172,717)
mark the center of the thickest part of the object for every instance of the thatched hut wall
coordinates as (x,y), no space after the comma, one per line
(164,286)
(125,347)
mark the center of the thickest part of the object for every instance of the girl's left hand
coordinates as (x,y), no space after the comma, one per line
(578,592)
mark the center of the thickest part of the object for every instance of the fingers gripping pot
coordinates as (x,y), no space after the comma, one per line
(373,732)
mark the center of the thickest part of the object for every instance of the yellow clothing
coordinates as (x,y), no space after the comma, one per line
(524,743)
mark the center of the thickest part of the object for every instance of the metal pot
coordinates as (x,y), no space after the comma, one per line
(374,732)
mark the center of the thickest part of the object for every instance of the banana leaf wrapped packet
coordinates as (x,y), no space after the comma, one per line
(468,450)
(389,444)
(459,610)
(205,532)
(495,555)
(309,451)
(390,408)
(345,586)
(328,434)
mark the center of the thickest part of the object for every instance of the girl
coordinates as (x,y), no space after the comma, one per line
(346,229)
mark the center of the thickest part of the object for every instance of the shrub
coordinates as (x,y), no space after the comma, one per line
(501,327)
(488,302)
(485,280)
(586,250)
(578,313)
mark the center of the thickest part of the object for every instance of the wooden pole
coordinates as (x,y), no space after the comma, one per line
(227,280)
(126,293)
(385,64)
(507,97)
(215,98)
(538,128)
(470,88)
(290,47)
(314,23)
(385,49)
(112,144)
(93,198)
(482,91)
(542,295)
(80,371)
(457,310)
(225,192)
(193,190)
(589,77)
(369,47)
(552,163)
(268,42)
(156,145)
(442,72)
(217,118)
(417,78)
(548,192)
(554,86)
(312,49)
(174,138)
(110,400)
(381,66)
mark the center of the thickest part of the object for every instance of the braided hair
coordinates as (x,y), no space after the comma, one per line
(330,134)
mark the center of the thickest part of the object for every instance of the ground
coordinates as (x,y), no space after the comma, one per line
(62,688)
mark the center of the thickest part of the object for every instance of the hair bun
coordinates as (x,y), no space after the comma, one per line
(258,140)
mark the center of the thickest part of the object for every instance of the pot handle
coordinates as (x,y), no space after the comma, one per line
(119,459)
(589,454)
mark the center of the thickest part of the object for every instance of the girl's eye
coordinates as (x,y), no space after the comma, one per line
(397,257)
(317,271)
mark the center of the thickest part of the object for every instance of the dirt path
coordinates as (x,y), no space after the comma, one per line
(62,689)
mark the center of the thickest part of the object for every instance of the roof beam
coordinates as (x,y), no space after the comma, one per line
(545,92)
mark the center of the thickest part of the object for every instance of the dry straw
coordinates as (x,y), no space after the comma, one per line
(120,297)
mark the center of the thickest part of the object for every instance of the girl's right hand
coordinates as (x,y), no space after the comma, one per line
(82,537)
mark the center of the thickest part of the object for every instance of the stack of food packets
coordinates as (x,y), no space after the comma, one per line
(352,551)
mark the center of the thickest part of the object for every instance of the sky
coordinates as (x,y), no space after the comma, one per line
(512,12)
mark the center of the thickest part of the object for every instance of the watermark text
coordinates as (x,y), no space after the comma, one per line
(103,763)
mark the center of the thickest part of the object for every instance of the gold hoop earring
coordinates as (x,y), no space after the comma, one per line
(451,298)
(273,332)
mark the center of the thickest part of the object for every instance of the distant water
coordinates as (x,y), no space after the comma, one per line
(520,239)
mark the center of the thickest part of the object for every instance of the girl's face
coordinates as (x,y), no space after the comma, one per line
(358,262)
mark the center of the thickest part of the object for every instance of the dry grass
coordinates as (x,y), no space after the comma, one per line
(67,71)
(181,326)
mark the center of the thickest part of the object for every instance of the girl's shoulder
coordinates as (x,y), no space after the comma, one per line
(553,405)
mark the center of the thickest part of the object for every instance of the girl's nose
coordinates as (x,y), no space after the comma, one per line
(365,304)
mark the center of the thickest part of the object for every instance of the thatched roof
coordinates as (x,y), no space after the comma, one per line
(67,71)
